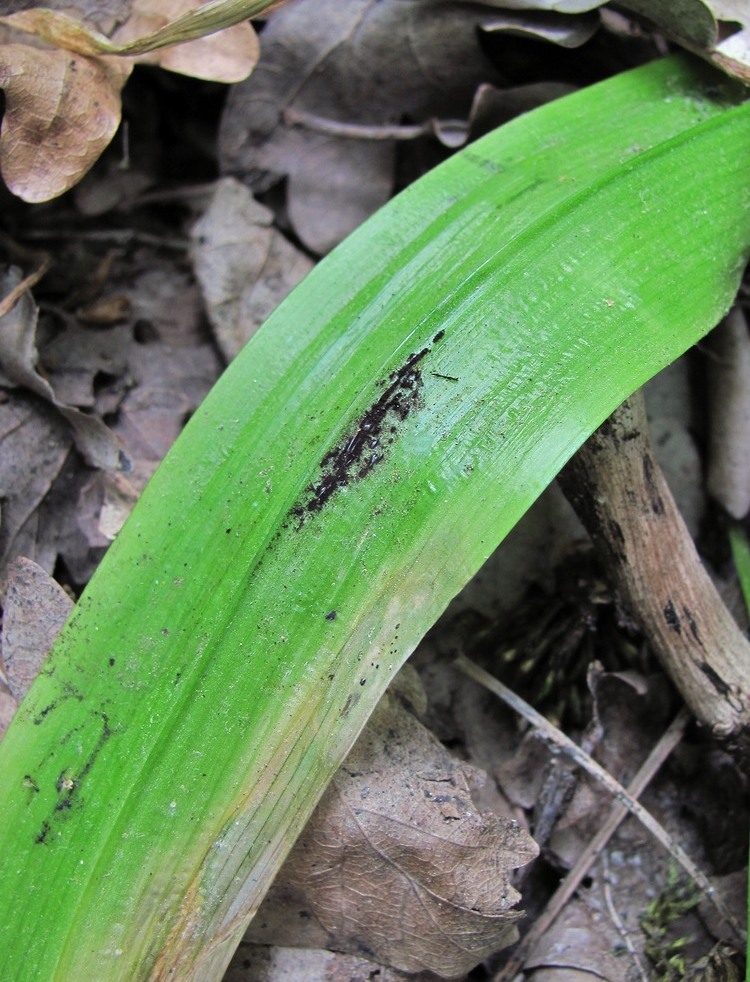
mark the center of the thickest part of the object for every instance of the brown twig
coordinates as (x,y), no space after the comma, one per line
(620,494)
(9,301)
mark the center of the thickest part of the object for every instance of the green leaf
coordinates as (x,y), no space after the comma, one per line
(741,555)
(281,565)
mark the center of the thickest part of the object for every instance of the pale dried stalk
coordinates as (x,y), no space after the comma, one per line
(621,496)
(729,391)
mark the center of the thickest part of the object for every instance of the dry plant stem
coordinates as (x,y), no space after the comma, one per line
(359,131)
(125,236)
(551,733)
(8,302)
(620,494)
(729,391)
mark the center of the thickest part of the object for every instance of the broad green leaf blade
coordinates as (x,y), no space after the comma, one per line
(351,470)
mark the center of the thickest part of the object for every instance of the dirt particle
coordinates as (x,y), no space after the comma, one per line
(715,679)
(671,618)
(30,783)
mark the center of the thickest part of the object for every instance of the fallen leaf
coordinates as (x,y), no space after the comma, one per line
(18,362)
(717,29)
(244,266)
(61,111)
(556,6)
(583,945)
(35,608)
(397,862)
(228,56)
(63,103)
(261,963)
(557,28)
(35,445)
(359,62)
(104,502)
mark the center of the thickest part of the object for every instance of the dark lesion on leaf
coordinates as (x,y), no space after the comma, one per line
(68,783)
(366,444)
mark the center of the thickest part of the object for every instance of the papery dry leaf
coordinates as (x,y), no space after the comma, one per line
(228,56)
(717,29)
(397,862)
(581,946)
(556,6)
(355,62)
(561,29)
(35,607)
(244,266)
(104,503)
(365,65)
(63,104)
(261,963)
(18,361)
(103,15)
(34,445)
(61,112)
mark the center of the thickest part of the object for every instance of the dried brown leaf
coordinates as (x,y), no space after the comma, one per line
(581,946)
(62,109)
(555,6)
(357,62)
(558,28)
(34,445)
(244,266)
(18,361)
(717,29)
(398,862)
(260,963)
(63,103)
(35,607)
(228,56)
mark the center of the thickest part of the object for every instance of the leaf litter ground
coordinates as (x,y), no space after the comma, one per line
(163,264)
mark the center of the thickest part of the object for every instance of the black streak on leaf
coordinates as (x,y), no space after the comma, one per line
(67,787)
(364,446)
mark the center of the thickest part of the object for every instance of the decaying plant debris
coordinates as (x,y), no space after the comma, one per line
(123,352)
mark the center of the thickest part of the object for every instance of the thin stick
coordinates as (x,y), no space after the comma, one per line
(124,236)
(625,799)
(362,131)
(11,299)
